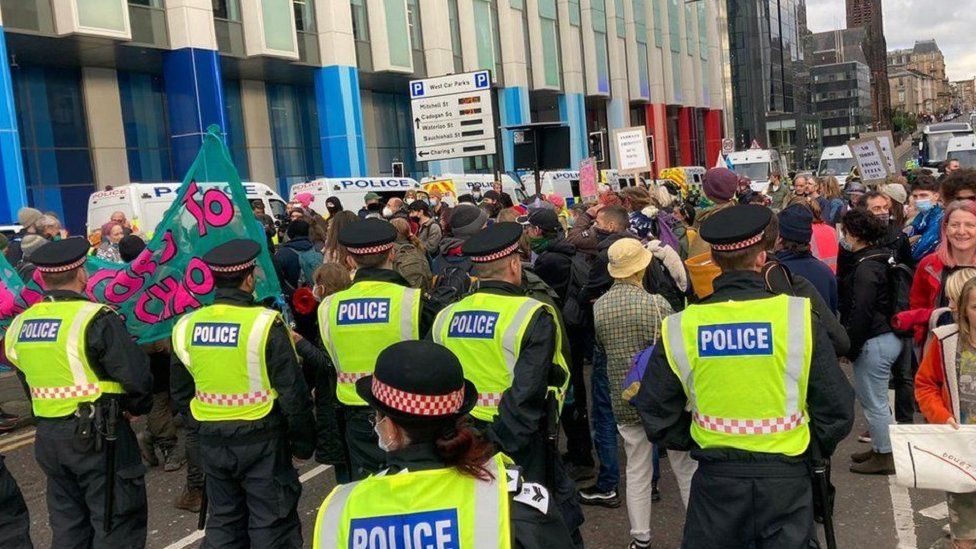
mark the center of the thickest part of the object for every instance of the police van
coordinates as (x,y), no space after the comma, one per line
(836,161)
(351,191)
(468,182)
(145,204)
(756,165)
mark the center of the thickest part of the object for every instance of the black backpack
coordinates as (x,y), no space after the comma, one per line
(450,286)
(574,314)
(900,277)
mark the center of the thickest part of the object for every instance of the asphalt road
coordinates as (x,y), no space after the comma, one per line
(871,511)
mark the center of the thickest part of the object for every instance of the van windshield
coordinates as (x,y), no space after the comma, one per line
(967,159)
(278,210)
(756,171)
(835,166)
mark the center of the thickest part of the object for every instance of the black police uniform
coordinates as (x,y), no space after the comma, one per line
(741,498)
(251,485)
(14,520)
(519,429)
(75,465)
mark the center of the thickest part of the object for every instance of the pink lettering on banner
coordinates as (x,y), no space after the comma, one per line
(175,297)
(205,214)
(206,283)
(8,302)
(124,281)
(169,248)
(143,263)
(30,295)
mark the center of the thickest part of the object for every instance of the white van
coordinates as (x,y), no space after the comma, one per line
(145,204)
(963,149)
(836,161)
(351,191)
(756,165)
(468,182)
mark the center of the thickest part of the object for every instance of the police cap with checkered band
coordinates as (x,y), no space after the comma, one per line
(232,256)
(736,228)
(418,382)
(61,256)
(368,237)
(497,241)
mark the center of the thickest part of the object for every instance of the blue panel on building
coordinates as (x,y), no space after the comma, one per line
(13,193)
(340,121)
(572,111)
(194,94)
(513,107)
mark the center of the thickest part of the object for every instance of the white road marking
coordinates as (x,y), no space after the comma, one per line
(939,511)
(10,443)
(198,534)
(901,508)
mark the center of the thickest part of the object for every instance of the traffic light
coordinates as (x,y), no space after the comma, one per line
(398,169)
(596,146)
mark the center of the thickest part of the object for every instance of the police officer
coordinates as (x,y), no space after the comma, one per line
(759,375)
(510,347)
(236,360)
(444,487)
(14,521)
(356,324)
(83,370)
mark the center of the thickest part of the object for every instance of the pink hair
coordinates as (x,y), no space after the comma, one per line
(943,251)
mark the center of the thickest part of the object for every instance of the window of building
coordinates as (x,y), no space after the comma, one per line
(147,3)
(304,15)
(702,34)
(618,14)
(599,10)
(658,34)
(394,140)
(413,23)
(235,127)
(360,21)
(574,13)
(294,134)
(397,34)
(229,10)
(548,19)
(144,122)
(54,141)
(455,22)
(691,20)
(674,25)
(484,27)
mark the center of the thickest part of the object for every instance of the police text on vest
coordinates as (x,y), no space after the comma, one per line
(216,334)
(473,324)
(363,311)
(42,329)
(427,530)
(744,339)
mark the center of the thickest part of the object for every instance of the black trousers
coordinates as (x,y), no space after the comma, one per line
(574,418)
(903,382)
(738,505)
(365,455)
(14,521)
(252,488)
(76,484)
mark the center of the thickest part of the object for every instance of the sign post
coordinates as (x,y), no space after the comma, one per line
(870,159)
(453,116)
(633,157)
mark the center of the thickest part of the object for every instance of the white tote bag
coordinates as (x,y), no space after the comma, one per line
(935,457)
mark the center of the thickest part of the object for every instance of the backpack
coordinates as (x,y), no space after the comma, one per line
(573,313)
(309,260)
(664,232)
(451,286)
(899,286)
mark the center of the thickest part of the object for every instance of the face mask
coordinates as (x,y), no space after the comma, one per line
(846,245)
(434,201)
(385,446)
(601,232)
(923,205)
(408,201)
(885,218)
(387,212)
(373,207)
(332,209)
(539,244)
(477,196)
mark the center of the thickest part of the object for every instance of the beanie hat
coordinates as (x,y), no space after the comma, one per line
(796,224)
(28,216)
(720,184)
(130,247)
(467,220)
(31,243)
(305,199)
(895,192)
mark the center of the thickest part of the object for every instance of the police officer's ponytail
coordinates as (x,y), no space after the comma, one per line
(457,444)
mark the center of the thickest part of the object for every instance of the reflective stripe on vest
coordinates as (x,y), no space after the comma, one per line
(223,347)
(47,343)
(356,324)
(488,330)
(750,362)
(434,508)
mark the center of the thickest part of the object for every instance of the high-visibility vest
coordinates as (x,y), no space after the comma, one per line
(358,323)
(224,347)
(824,245)
(417,509)
(47,343)
(485,331)
(744,366)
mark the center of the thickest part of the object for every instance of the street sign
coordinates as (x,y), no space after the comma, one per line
(632,155)
(453,116)
(728,145)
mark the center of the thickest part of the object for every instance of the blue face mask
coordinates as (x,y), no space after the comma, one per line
(845,244)
(923,205)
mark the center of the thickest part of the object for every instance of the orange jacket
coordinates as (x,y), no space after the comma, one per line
(933,393)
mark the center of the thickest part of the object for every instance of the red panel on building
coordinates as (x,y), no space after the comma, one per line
(685,115)
(713,136)
(657,125)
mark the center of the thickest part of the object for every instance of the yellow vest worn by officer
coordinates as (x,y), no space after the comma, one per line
(223,348)
(485,331)
(358,323)
(744,366)
(433,508)
(47,343)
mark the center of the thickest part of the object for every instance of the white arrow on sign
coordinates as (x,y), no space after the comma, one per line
(456,150)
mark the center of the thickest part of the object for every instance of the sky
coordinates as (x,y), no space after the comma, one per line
(950,22)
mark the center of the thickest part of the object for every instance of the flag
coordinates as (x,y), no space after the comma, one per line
(169,278)
(15,296)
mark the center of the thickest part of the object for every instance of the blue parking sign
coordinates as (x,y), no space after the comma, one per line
(482,80)
(416,89)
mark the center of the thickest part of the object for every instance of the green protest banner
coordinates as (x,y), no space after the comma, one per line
(169,278)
